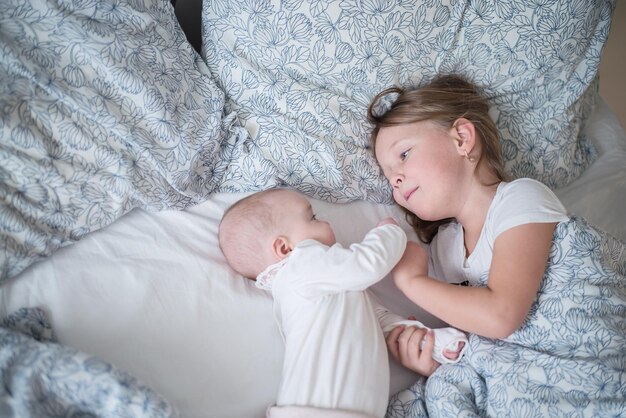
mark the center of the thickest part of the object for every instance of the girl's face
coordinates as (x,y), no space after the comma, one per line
(425,165)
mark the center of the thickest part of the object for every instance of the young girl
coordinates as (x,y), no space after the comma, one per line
(440,151)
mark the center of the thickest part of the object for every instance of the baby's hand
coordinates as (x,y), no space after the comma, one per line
(453,353)
(387,221)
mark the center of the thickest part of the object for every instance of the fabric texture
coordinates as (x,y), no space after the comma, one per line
(310,412)
(105,107)
(265,279)
(43,379)
(300,75)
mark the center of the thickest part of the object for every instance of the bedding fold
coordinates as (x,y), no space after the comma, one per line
(43,379)
(105,107)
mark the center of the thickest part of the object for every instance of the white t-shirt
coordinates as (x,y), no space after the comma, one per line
(335,352)
(516,203)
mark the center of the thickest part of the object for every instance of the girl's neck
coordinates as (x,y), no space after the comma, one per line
(475,213)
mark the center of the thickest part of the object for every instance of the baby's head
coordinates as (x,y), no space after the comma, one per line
(263,228)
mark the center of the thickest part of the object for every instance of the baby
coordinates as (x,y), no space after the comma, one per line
(336,362)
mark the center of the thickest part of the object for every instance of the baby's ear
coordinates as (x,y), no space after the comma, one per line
(281,247)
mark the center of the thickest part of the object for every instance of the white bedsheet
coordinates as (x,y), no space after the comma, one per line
(152,294)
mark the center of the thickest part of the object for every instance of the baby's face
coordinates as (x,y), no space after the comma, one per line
(300,222)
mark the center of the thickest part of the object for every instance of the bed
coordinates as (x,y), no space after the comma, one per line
(121,146)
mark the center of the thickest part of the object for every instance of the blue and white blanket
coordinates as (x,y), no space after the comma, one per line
(567,360)
(104,107)
(41,378)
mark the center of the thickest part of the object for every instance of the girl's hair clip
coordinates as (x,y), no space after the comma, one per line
(384,100)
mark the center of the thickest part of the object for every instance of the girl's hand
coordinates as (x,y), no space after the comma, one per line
(414,263)
(405,345)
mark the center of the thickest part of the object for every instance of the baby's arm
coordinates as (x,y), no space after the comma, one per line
(338,269)
(365,263)
(386,318)
(411,347)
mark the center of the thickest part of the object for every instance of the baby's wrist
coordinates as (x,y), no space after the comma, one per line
(387,221)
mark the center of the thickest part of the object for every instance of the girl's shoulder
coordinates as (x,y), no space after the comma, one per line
(528,193)
(526,187)
(524,201)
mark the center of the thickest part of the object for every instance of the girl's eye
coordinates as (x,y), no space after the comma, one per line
(314,217)
(404,155)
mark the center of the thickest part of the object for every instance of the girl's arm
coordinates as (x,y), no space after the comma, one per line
(519,261)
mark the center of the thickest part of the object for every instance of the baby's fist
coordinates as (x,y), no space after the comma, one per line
(387,221)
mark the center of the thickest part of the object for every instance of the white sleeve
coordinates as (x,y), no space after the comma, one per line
(526,201)
(386,318)
(338,269)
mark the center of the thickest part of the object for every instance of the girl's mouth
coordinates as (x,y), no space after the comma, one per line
(409,193)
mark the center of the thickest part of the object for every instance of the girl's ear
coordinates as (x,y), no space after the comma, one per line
(281,247)
(464,134)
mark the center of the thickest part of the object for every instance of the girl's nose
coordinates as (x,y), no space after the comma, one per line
(396,181)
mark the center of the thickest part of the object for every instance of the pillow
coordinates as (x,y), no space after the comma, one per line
(300,75)
(104,106)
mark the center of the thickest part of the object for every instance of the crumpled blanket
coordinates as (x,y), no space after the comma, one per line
(104,107)
(41,378)
(567,359)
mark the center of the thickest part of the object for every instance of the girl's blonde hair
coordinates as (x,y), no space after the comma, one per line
(443,100)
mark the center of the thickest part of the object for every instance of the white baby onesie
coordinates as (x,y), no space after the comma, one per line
(335,351)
